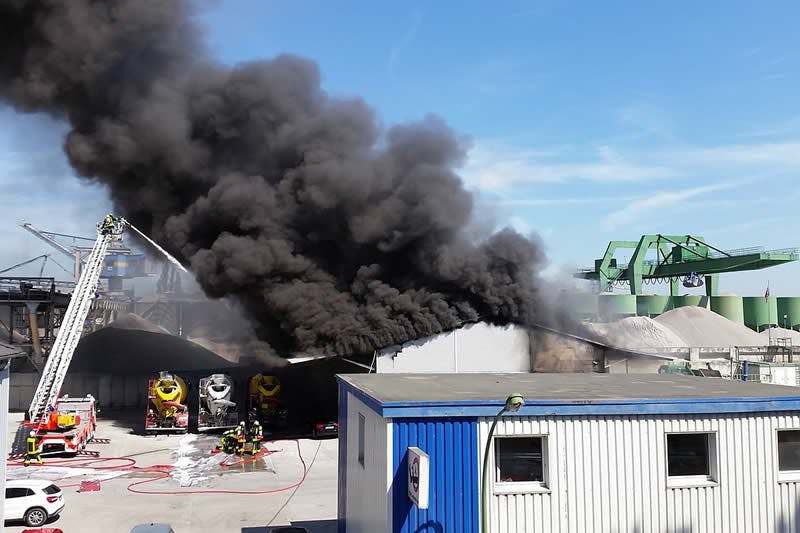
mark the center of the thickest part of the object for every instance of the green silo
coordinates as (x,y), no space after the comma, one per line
(789,307)
(582,304)
(691,299)
(616,306)
(759,312)
(652,305)
(729,306)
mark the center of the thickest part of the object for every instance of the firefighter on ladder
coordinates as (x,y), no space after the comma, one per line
(256,436)
(241,437)
(32,450)
(108,224)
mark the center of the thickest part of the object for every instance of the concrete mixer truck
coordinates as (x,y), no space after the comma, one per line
(217,410)
(166,404)
(265,402)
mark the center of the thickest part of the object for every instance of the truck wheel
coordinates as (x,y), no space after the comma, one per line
(35,516)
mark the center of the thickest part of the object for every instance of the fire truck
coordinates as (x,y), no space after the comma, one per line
(62,424)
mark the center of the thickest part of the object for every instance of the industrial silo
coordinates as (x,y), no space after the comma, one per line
(690,299)
(581,304)
(759,312)
(789,307)
(652,305)
(729,306)
(616,306)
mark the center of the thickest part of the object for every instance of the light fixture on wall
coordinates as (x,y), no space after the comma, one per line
(513,404)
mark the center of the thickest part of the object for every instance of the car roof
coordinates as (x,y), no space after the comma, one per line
(152,528)
(34,483)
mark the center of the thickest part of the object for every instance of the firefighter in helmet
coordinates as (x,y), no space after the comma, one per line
(241,437)
(256,436)
(32,450)
(227,443)
(108,224)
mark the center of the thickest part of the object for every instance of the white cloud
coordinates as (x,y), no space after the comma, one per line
(555,202)
(520,225)
(495,166)
(499,167)
(637,209)
(406,39)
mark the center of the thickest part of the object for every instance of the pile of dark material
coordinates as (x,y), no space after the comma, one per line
(135,352)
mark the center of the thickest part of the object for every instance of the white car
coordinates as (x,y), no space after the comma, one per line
(33,501)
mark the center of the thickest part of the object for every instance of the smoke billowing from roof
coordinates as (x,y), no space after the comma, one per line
(335,234)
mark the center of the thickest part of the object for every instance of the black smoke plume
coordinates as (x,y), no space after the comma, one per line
(336,235)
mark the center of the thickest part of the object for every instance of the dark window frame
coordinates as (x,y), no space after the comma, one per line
(793,473)
(362,437)
(505,465)
(683,475)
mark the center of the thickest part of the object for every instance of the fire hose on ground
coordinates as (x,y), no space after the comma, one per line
(131,466)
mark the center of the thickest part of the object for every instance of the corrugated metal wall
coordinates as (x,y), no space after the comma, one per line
(453,499)
(110,391)
(341,500)
(366,502)
(609,475)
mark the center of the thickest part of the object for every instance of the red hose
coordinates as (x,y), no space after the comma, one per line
(165,470)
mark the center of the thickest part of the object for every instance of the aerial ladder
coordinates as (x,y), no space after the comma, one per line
(60,429)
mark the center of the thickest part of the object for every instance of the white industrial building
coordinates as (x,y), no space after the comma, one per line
(482,347)
(472,348)
(587,452)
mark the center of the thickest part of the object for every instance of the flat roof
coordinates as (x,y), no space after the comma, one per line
(564,393)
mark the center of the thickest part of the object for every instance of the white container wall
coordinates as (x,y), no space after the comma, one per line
(368,485)
(609,474)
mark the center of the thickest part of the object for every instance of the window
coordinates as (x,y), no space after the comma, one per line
(520,464)
(789,453)
(361,424)
(18,492)
(691,458)
(51,489)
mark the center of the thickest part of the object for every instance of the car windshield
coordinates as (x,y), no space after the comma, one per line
(51,489)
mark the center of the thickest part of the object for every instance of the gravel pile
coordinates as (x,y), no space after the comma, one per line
(638,333)
(134,322)
(700,327)
(781,333)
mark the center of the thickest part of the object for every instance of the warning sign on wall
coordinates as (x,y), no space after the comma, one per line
(418,463)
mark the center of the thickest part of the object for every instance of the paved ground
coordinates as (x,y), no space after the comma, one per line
(115,508)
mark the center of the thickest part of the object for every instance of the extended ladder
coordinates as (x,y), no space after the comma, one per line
(55,370)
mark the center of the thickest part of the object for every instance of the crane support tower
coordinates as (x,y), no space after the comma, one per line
(677,257)
(62,424)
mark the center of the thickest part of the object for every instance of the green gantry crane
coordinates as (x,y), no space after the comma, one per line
(679,256)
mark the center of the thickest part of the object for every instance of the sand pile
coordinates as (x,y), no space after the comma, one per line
(781,333)
(638,333)
(701,327)
(132,321)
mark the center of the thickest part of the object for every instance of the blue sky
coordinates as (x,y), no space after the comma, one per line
(589,121)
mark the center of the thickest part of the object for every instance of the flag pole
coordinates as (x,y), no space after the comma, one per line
(769,316)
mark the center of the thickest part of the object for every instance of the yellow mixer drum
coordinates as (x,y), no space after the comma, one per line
(267,389)
(168,391)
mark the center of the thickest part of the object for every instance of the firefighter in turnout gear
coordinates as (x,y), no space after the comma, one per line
(227,443)
(241,437)
(32,450)
(108,224)
(256,436)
